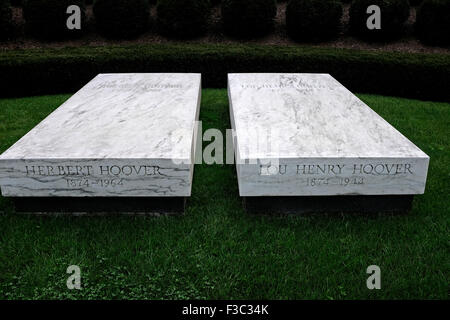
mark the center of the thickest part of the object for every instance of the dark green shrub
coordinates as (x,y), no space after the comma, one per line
(414,75)
(415,2)
(433,22)
(394,14)
(182,18)
(247,18)
(47,19)
(122,18)
(17,3)
(6,25)
(313,19)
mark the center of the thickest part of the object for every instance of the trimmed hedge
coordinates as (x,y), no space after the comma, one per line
(122,19)
(314,20)
(45,71)
(433,22)
(248,18)
(46,19)
(6,25)
(182,18)
(394,14)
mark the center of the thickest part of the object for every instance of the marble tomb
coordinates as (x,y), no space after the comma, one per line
(303,142)
(123,138)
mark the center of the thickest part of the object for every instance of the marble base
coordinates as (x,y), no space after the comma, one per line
(127,205)
(328,204)
(122,135)
(307,135)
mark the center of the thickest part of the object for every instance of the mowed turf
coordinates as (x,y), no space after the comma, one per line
(216,250)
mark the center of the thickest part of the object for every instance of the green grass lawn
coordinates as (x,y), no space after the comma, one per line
(216,251)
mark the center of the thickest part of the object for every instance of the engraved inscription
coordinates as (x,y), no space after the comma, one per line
(287,81)
(90,176)
(316,182)
(68,170)
(337,174)
(338,169)
(86,183)
(141,86)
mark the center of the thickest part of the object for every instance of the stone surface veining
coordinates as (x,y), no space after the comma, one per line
(306,134)
(120,135)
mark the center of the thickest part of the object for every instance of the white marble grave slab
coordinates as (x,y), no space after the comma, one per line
(306,134)
(121,135)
